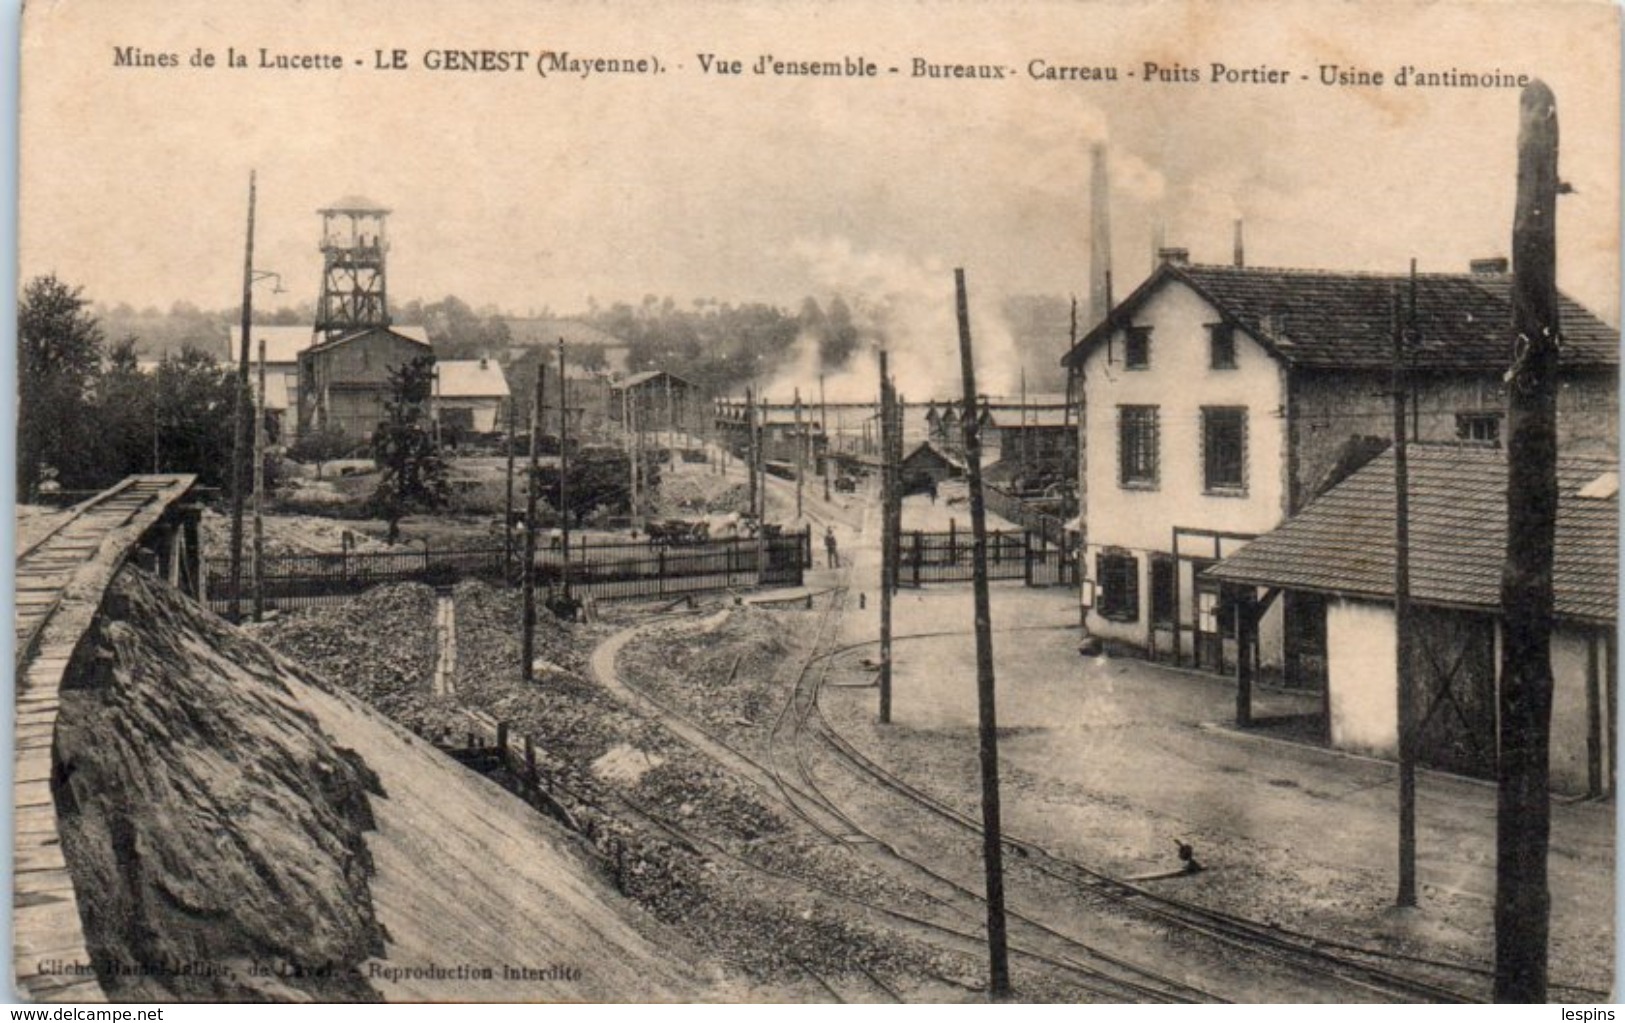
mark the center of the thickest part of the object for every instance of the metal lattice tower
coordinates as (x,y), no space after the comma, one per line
(353,249)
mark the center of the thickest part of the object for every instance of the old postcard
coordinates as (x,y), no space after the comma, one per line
(897,501)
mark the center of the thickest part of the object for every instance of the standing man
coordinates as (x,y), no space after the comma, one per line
(833,558)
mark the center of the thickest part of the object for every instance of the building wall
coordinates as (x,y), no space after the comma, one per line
(1363,689)
(346,386)
(1331,407)
(1179,381)
(485,410)
(1361,680)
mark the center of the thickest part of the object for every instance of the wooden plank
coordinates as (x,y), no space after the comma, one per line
(39,882)
(41,856)
(33,765)
(32,793)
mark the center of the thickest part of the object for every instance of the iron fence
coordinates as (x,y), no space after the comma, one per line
(947,557)
(616,569)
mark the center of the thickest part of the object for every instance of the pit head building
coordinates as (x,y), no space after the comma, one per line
(344,375)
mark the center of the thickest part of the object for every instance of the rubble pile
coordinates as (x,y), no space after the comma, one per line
(726,672)
(380,646)
(288,535)
(696,490)
(207,817)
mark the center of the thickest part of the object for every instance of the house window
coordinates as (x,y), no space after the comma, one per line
(1162,590)
(1224,450)
(1137,348)
(1479,428)
(1118,575)
(1221,346)
(1137,445)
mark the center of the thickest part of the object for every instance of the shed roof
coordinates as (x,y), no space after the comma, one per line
(1344,542)
(1324,319)
(470,378)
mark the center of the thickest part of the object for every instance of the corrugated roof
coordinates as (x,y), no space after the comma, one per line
(470,378)
(1340,320)
(283,343)
(1344,542)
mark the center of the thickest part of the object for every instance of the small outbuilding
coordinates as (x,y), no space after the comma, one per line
(1338,554)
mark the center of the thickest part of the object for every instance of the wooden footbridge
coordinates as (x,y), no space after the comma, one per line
(61,579)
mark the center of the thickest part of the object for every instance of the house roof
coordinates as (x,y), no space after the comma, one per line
(1324,319)
(470,378)
(926,449)
(411,332)
(283,343)
(1344,542)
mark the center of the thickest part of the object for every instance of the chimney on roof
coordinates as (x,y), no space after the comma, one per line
(1241,252)
(1100,235)
(1173,256)
(1492,265)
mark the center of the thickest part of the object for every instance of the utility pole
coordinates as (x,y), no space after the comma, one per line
(564,472)
(507,508)
(631,452)
(528,643)
(823,426)
(1523,802)
(240,442)
(987,718)
(1404,683)
(259,491)
(761,494)
(750,446)
(887,582)
(801,461)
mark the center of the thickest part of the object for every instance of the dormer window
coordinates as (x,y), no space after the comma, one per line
(1137,348)
(1221,346)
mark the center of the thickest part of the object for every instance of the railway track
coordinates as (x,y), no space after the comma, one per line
(958,910)
(46,565)
(1364,967)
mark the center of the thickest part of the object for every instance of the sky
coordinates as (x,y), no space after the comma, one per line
(524,192)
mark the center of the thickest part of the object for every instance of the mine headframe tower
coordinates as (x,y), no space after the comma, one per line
(353,249)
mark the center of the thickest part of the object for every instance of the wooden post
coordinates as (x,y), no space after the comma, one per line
(507,507)
(1246,640)
(917,558)
(750,445)
(564,474)
(240,441)
(801,464)
(1594,752)
(259,490)
(528,643)
(887,485)
(823,427)
(1523,804)
(992,842)
(1404,684)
